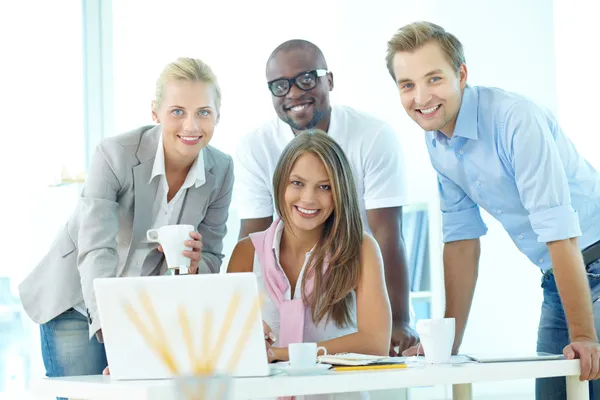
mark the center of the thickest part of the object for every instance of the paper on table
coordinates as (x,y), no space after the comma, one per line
(353,359)
(420,360)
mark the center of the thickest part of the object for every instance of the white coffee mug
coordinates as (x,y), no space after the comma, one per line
(172,238)
(304,355)
(437,339)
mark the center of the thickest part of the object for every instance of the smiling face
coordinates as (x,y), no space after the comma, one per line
(308,195)
(430,87)
(299,108)
(188,116)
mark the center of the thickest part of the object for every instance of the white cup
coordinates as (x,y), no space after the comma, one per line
(437,338)
(304,355)
(172,238)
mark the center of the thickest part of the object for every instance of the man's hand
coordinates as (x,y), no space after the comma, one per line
(403,337)
(588,352)
(417,350)
(414,350)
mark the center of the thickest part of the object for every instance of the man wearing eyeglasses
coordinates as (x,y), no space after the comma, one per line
(300,82)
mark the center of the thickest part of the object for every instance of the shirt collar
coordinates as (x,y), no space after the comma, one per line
(466,123)
(196,175)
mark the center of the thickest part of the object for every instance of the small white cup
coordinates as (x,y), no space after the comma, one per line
(304,355)
(172,238)
(437,338)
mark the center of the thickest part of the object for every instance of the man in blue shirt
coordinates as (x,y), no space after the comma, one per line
(499,151)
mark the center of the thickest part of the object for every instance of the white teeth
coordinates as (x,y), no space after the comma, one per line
(306,211)
(429,110)
(190,138)
(299,108)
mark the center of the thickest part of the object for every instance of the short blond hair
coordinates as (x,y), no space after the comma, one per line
(187,69)
(413,36)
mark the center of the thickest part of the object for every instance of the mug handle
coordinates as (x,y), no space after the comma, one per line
(324,353)
(152,235)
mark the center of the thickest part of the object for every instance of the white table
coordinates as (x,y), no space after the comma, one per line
(461,376)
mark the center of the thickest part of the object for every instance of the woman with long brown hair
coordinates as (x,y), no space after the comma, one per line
(321,273)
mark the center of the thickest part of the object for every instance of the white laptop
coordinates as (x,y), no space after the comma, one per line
(129,354)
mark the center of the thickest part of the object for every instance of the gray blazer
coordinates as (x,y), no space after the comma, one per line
(115,207)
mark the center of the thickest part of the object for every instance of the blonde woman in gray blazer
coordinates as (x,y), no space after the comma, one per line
(149,177)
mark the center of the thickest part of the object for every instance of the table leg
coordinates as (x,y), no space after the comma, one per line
(577,390)
(463,391)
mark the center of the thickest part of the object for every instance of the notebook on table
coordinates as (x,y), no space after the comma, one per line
(513,357)
(355,359)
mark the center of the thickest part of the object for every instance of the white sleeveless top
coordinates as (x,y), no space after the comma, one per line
(312,332)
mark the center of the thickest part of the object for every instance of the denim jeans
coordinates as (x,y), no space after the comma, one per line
(67,349)
(553,333)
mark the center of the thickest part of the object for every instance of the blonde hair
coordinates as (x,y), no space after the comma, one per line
(413,36)
(187,69)
(341,239)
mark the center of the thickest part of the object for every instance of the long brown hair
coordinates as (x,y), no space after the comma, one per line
(341,239)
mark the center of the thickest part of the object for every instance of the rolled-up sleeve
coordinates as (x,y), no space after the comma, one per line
(539,173)
(461,219)
(556,223)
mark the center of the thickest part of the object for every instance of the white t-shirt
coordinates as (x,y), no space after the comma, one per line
(371,146)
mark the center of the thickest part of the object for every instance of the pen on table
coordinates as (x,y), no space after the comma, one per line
(370,367)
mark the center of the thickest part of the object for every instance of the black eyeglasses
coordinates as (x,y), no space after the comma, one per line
(305,81)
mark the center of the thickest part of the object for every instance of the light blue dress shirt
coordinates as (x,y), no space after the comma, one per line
(510,157)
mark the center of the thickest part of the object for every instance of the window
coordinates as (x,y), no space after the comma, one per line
(42,124)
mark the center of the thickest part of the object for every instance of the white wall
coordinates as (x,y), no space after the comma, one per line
(576,24)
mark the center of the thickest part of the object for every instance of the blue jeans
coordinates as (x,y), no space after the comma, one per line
(67,349)
(553,333)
